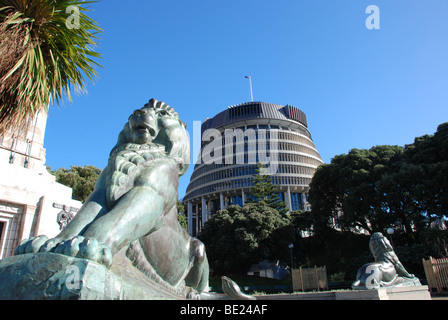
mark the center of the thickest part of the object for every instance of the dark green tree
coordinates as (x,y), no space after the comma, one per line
(181,217)
(429,154)
(384,186)
(344,194)
(264,190)
(374,189)
(237,237)
(415,190)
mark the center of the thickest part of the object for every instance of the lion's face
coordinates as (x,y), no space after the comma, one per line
(157,123)
(143,125)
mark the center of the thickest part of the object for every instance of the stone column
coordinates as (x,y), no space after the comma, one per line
(288,199)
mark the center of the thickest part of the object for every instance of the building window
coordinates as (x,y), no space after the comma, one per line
(237,200)
(296,202)
(281,195)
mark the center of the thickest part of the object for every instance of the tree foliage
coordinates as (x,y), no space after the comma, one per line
(384,186)
(44,55)
(425,164)
(372,190)
(181,217)
(344,193)
(237,237)
(264,190)
(81,179)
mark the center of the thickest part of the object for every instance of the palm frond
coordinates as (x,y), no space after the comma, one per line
(43,59)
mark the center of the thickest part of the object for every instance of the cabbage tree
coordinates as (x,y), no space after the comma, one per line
(46,50)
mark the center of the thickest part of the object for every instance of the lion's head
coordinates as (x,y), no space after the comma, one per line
(157,124)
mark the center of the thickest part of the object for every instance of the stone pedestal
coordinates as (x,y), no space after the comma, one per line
(398,293)
(393,293)
(50,276)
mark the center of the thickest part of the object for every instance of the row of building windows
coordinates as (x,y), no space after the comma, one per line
(297,158)
(232,185)
(253,133)
(297,202)
(269,149)
(287,146)
(293,136)
(248,171)
(291,181)
(253,157)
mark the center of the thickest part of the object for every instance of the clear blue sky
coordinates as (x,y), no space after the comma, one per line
(358,87)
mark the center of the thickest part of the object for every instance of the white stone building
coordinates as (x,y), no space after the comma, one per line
(32,203)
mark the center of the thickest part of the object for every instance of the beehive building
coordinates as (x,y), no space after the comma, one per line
(234,141)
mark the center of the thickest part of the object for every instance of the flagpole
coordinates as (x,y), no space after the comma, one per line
(251,92)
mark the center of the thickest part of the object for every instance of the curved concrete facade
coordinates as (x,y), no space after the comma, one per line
(234,141)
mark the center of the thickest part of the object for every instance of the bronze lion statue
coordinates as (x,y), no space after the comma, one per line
(133,208)
(386,271)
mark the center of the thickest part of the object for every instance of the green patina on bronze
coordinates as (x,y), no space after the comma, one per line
(130,219)
(386,271)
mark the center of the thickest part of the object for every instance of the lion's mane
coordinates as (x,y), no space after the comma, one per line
(382,250)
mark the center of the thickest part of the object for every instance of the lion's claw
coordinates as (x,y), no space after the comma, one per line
(50,245)
(85,248)
(32,245)
(78,247)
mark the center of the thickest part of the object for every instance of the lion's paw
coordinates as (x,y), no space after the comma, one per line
(86,248)
(78,247)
